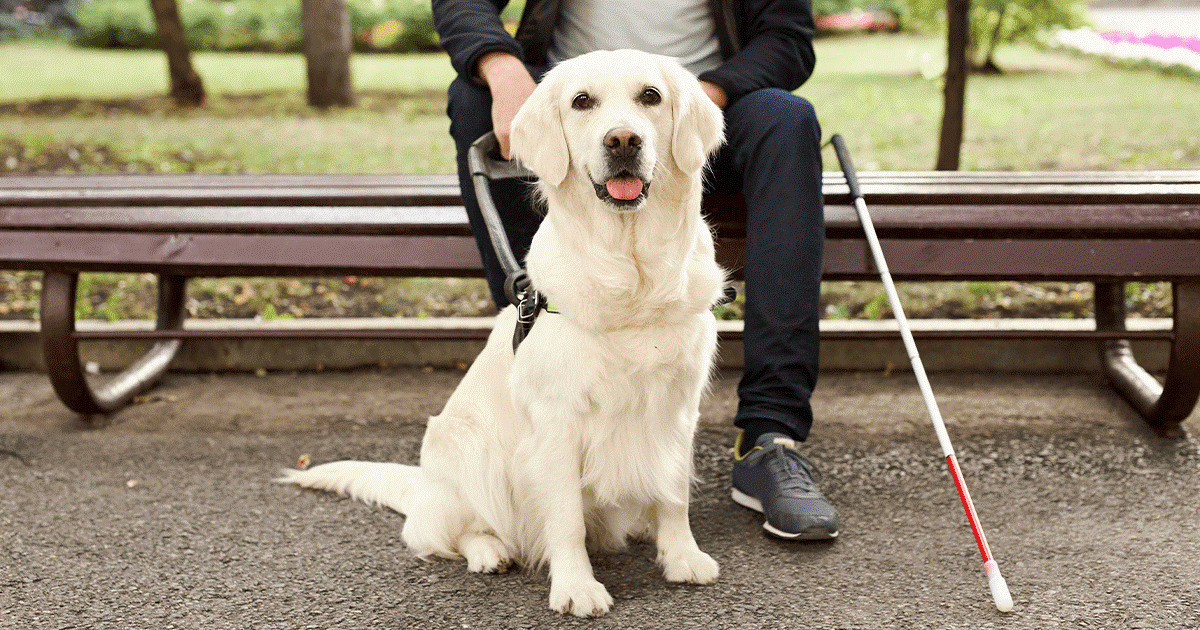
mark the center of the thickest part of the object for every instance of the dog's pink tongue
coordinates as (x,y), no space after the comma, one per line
(624,189)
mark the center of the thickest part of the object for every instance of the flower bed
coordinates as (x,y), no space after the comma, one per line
(857,21)
(1175,52)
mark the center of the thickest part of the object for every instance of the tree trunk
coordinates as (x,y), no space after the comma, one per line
(186,87)
(988,65)
(958,14)
(327,47)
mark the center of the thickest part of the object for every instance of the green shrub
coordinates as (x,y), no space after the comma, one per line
(898,8)
(117,24)
(392,25)
(999,22)
(256,25)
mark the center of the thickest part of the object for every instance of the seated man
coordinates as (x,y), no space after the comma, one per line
(749,55)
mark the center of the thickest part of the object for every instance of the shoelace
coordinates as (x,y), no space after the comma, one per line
(797,472)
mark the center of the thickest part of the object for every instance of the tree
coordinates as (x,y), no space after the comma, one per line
(327,47)
(995,23)
(998,22)
(186,87)
(958,15)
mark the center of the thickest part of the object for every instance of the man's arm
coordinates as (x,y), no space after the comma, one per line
(470,29)
(776,48)
(483,52)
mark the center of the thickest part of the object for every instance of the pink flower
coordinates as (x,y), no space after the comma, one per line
(1156,40)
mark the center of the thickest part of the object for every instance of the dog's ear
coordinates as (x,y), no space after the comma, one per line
(538,139)
(699,124)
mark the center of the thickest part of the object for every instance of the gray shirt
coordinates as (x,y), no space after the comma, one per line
(684,29)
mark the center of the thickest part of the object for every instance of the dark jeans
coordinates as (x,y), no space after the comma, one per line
(773,157)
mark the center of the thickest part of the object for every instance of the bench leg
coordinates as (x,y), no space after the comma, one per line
(1167,405)
(61,348)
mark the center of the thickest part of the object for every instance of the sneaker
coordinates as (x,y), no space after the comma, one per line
(776,480)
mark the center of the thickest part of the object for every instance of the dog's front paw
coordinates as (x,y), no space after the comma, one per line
(694,567)
(582,598)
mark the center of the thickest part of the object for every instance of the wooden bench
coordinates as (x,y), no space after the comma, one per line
(1107,228)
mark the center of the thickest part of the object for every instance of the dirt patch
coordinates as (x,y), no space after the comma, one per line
(132,296)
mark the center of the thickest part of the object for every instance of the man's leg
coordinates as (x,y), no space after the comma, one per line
(470,109)
(774,149)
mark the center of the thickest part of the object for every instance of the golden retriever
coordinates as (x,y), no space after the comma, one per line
(583,437)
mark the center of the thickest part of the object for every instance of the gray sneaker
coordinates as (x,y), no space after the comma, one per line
(776,480)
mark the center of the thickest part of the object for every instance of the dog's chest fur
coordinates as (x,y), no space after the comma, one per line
(608,271)
(631,396)
(631,351)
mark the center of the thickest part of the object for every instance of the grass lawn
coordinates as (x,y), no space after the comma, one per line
(70,110)
(90,110)
(58,70)
(108,114)
(1050,111)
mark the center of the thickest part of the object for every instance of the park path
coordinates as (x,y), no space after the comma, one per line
(1183,21)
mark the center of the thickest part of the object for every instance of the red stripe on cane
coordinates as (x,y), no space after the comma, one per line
(969,507)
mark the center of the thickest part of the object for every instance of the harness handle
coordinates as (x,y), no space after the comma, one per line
(483,158)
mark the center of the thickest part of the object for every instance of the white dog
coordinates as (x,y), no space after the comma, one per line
(585,433)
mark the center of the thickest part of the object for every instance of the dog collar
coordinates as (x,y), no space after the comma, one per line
(530,305)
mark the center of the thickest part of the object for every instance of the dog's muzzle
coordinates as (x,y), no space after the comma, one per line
(624,188)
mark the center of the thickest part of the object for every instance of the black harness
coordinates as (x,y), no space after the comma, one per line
(529,302)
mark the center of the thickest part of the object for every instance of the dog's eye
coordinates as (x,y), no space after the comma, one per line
(583,100)
(650,96)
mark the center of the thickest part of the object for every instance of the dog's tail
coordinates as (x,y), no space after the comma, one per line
(389,485)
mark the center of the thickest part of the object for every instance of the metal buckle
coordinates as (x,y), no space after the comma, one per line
(529,306)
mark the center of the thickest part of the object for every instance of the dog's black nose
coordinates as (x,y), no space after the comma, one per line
(622,142)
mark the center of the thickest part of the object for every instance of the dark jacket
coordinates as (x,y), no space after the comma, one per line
(765,43)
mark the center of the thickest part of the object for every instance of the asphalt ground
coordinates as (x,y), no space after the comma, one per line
(165,515)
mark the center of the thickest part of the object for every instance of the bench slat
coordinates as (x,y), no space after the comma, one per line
(343,181)
(243,254)
(1128,221)
(1034,260)
(1019,259)
(251,219)
(299,254)
(938,188)
(959,221)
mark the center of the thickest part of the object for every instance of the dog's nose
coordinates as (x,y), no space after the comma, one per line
(622,142)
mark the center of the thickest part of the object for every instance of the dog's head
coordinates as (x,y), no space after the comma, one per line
(618,118)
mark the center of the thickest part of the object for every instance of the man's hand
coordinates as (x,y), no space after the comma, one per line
(511,85)
(715,93)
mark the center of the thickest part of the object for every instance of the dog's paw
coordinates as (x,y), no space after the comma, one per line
(495,564)
(582,598)
(693,567)
(484,553)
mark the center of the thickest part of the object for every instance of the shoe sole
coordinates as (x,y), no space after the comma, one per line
(815,533)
